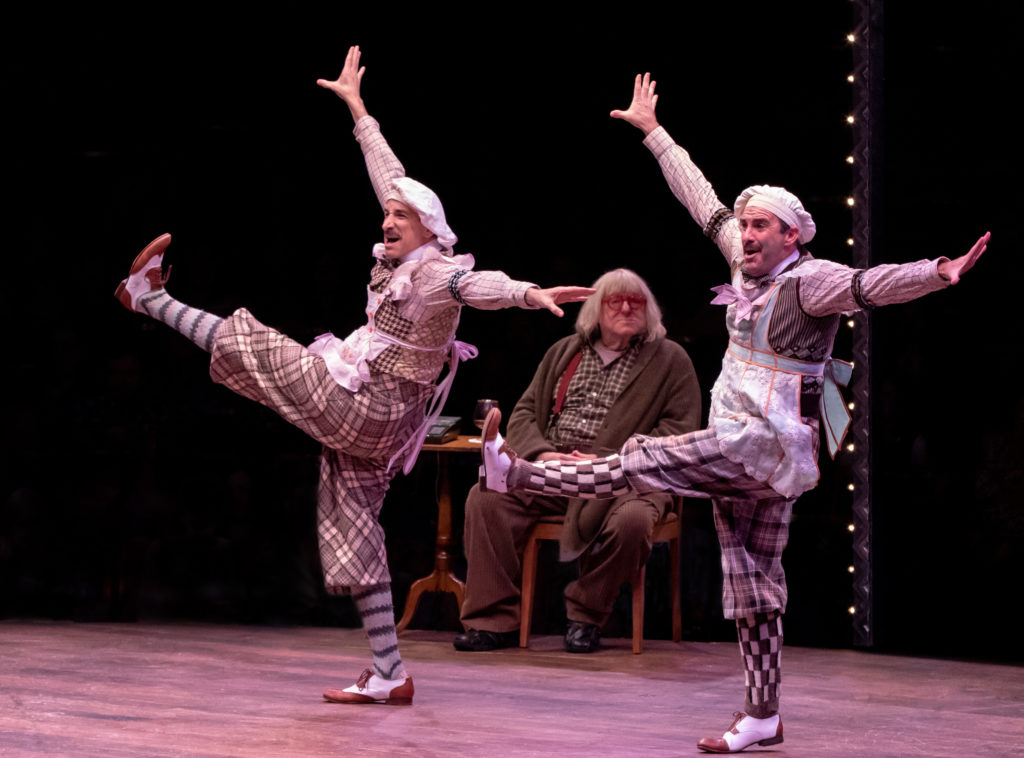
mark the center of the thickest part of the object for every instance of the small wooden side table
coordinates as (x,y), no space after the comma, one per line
(441,578)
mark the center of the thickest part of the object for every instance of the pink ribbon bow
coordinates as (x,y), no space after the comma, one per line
(726,294)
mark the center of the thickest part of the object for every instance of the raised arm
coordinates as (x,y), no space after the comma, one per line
(685,180)
(382,164)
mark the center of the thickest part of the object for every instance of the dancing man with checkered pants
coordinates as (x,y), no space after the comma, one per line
(777,387)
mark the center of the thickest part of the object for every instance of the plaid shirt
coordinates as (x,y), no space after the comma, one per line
(826,287)
(592,391)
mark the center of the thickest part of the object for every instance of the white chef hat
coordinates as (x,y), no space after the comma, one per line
(782,203)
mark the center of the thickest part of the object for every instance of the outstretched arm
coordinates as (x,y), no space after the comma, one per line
(640,112)
(954,269)
(346,86)
(491,290)
(827,287)
(551,297)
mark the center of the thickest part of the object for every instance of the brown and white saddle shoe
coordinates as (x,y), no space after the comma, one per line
(146,273)
(497,457)
(743,732)
(371,688)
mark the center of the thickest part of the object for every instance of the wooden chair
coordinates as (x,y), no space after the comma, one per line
(669,530)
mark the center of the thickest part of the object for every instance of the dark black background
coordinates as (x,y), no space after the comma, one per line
(134,488)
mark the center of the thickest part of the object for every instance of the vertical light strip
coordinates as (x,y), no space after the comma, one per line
(865,81)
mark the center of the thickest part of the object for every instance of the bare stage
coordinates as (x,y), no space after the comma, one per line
(111,690)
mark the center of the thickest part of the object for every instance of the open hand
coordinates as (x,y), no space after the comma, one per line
(551,297)
(954,269)
(346,86)
(640,112)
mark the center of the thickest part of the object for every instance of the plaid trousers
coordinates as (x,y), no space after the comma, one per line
(752,519)
(359,432)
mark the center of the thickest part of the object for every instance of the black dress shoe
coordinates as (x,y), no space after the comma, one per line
(582,637)
(479,640)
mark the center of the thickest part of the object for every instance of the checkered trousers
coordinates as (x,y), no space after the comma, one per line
(760,638)
(597,478)
(359,431)
(752,519)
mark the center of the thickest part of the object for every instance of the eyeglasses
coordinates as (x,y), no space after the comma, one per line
(615,302)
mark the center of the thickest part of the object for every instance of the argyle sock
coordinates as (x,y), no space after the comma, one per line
(195,324)
(760,636)
(374,605)
(596,478)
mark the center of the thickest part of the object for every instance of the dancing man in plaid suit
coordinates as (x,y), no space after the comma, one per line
(368,398)
(777,386)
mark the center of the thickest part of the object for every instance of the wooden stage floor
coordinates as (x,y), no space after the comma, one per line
(76,689)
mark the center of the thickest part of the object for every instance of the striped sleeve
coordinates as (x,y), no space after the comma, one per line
(827,287)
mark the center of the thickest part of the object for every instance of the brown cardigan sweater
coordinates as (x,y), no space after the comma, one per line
(661,398)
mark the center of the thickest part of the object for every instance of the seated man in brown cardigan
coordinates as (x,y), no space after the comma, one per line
(617,376)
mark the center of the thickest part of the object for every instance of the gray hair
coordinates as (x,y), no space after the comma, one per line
(615,282)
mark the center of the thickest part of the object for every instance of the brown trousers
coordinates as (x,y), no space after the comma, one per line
(497,526)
